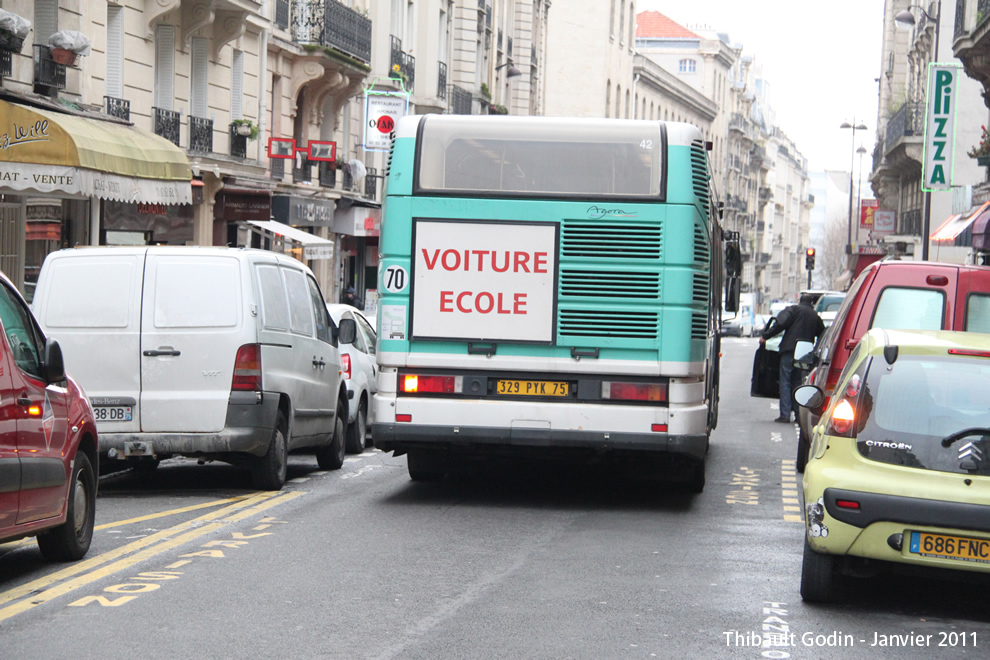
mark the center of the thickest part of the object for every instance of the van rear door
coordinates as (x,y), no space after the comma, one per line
(973,300)
(90,301)
(193,322)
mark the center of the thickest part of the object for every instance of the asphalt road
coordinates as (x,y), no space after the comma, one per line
(517,561)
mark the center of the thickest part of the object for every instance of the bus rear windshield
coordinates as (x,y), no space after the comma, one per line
(510,157)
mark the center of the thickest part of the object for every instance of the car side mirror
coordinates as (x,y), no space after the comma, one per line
(810,397)
(804,355)
(346,331)
(54,363)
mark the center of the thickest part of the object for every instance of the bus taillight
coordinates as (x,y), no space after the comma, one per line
(417,384)
(618,391)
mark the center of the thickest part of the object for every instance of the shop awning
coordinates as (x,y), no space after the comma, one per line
(314,247)
(44,151)
(981,239)
(960,222)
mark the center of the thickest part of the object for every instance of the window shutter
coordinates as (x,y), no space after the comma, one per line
(164,66)
(199,85)
(237,86)
(45,20)
(115,52)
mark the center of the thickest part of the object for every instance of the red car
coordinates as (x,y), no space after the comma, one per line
(48,455)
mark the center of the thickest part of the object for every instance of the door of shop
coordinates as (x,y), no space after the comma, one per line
(12,243)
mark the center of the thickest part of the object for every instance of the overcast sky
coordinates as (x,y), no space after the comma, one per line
(820,58)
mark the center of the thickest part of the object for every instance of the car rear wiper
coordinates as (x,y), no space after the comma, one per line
(958,435)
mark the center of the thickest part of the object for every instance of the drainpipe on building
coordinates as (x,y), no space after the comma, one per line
(262,95)
(635,104)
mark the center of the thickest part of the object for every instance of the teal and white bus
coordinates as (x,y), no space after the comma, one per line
(549,287)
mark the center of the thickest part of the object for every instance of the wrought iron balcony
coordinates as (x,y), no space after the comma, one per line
(6,64)
(238,143)
(402,65)
(909,121)
(346,179)
(277,166)
(371,183)
(442,80)
(47,72)
(282,13)
(200,134)
(331,24)
(119,108)
(166,124)
(460,101)
(328,174)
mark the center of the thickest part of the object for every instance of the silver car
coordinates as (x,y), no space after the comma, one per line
(358,365)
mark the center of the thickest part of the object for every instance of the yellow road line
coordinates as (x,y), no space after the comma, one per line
(146,553)
(93,562)
(171,512)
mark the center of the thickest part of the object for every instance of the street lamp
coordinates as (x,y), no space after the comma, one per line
(906,19)
(512,72)
(859,186)
(852,162)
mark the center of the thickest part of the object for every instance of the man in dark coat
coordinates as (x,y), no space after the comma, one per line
(798,323)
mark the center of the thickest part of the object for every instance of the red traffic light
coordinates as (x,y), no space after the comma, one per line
(810,252)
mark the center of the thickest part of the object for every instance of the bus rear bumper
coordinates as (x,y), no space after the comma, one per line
(400,438)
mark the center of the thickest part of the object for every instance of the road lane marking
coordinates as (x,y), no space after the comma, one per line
(93,562)
(745,487)
(789,491)
(237,512)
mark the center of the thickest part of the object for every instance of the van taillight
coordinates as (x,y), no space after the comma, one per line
(345,365)
(247,369)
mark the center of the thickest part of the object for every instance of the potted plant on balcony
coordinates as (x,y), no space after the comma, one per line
(246,128)
(13,30)
(66,45)
(981,152)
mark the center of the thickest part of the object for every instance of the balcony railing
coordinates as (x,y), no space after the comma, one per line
(983,11)
(402,65)
(460,101)
(329,23)
(47,72)
(277,166)
(371,183)
(303,173)
(238,143)
(346,179)
(200,134)
(442,81)
(119,108)
(328,174)
(282,13)
(6,64)
(907,122)
(166,124)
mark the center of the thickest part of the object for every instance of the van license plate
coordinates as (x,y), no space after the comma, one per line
(950,547)
(533,387)
(112,413)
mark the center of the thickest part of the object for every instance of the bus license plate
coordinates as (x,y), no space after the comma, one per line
(950,547)
(533,387)
(112,413)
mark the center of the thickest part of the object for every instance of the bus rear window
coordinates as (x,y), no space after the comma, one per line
(520,157)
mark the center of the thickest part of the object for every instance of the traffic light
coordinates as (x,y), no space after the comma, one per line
(809,259)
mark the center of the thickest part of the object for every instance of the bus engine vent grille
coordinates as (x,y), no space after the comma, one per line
(699,326)
(610,284)
(608,323)
(699,291)
(610,241)
(702,254)
(699,173)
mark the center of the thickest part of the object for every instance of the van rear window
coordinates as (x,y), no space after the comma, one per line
(901,308)
(274,308)
(197,293)
(978,313)
(94,294)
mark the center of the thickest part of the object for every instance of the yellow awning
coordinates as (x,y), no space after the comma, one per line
(83,156)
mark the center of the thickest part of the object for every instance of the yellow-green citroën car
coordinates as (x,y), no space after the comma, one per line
(899,464)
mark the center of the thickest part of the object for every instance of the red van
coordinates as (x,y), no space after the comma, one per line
(48,456)
(897,295)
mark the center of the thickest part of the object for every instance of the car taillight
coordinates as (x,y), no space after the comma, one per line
(247,369)
(345,365)
(617,391)
(843,418)
(415,384)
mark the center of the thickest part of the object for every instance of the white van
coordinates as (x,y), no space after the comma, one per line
(216,353)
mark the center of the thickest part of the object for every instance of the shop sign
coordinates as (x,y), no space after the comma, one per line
(884,222)
(381,112)
(358,221)
(312,252)
(302,211)
(940,125)
(168,223)
(238,206)
(867,209)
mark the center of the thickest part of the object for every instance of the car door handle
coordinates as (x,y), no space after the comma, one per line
(160,352)
(319,363)
(24,401)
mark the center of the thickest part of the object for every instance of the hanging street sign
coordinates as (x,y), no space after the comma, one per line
(940,125)
(381,111)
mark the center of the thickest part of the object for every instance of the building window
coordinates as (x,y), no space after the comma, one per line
(686,66)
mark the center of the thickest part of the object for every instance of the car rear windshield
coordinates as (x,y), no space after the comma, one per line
(908,408)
